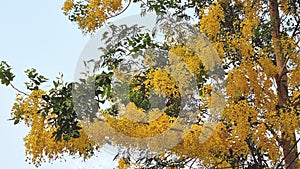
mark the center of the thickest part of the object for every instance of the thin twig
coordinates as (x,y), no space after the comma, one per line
(121,11)
(144,3)
(217,164)
(296,29)
(273,133)
(193,163)
(18,89)
(252,152)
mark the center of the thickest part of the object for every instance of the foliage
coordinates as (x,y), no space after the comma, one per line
(6,75)
(35,79)
(40,143)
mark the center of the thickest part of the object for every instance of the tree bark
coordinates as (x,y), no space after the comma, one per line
(282,85)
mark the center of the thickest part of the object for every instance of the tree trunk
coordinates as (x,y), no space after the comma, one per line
(282,85)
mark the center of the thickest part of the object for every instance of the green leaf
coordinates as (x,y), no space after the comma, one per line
(6,75)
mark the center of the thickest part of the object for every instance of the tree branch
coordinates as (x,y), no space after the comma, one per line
(18,89)
(288,154)
(120,11)
(193,163)
(296,29)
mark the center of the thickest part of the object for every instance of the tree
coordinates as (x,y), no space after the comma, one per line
(258,46)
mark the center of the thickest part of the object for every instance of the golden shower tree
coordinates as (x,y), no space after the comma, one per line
(257,42)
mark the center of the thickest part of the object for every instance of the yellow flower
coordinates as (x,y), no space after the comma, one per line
(68,5)
(123,164)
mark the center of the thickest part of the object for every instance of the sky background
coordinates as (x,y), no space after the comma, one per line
(36,34)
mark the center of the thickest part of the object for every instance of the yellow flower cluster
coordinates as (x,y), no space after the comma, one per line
(141,129)
(196,144)
(162,83)
(251,19)
(123,164)
(68,5)
(237,83)
(290,50)
(210,24)
(191,59)
(268,67)
(285,6)
(39,143)
(93,12)
(149,61)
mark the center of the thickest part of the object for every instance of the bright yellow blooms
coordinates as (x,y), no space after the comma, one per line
(250,111)
(68,5)
(39,143)
(93,12)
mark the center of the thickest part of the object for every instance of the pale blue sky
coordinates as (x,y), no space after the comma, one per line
(35,34)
